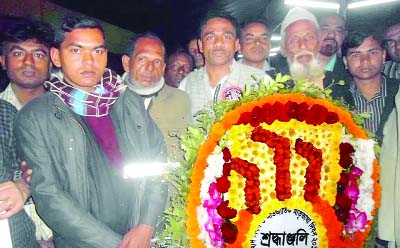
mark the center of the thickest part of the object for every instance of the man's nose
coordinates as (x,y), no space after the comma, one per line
(28,59)
(87,58)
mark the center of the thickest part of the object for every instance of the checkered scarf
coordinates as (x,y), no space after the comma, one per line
(84,103)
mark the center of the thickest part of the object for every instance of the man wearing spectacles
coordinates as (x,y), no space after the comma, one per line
(179,64)
(392,46)
(255,43)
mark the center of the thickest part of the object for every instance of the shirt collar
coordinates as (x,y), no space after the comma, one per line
(331,64)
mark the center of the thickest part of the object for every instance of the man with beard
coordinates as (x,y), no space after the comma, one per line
(255,43)
(169,107)
(222,78)
(371,91)
(332,33)
(392,45)
(300,44)
(194,50)
(78,138)
(179,65)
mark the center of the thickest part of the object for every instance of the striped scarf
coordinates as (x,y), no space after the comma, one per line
(84,103)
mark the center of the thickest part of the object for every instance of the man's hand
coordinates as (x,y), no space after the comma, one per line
(26,172)
(13,196)
(138,237)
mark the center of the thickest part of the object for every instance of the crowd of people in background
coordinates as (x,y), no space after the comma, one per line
(69,125)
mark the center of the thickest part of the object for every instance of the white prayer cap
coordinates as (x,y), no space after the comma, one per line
(296,14)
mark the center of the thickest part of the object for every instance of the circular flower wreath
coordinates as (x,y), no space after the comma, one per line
(277,150)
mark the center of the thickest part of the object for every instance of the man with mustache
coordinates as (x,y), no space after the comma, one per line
(371,91)
(255,43)
(300,43)
(26,60)
(179,65)
(144,65)
(79,136)
(332,33)
(392,44)
(222,78)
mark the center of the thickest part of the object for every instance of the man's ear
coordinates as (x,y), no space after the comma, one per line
(200,45)
(125,62)
(384,55)
(55,56)
(3,61)
(237,45)
(345,62)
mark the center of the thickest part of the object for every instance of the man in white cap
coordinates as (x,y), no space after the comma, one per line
(300,44)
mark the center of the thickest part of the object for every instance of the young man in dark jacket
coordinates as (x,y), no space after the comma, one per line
(77,139)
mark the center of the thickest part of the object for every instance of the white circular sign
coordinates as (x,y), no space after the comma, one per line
(286,228)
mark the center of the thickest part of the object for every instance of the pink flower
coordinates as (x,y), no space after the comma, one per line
(357,221)
(356,172)
(352,190)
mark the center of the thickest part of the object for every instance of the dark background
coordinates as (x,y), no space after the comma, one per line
(177,20)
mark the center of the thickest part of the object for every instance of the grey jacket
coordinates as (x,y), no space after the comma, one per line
(53,143)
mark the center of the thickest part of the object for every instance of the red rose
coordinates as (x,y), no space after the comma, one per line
(226,212)
(244,118)
(229,232)
(332,118)
(256,116)
(343,201)
(346,149)
(268,114)
(291,108)
(316,115)
(342,215)
(223,184)
(301,111)
(345,161)
(226,170)
(226,154)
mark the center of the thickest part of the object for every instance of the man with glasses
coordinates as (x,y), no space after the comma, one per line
(179,65)
(392,46)
(255,43)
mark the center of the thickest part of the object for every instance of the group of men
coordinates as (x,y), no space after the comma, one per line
(79,131)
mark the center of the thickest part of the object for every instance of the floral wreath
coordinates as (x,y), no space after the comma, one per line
(279,152)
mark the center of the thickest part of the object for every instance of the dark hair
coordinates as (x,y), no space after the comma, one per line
(28,29)
(179,51)
(355,39)
(260,20)
(72,23)
(223,15)
(130,49)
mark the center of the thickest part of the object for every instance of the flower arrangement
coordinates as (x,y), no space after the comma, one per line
(279,154)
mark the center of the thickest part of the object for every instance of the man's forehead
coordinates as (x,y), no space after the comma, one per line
(31,44)
(149,46)
(368,43)
(218,23)
(332,21)
(255,27)
(85,37)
